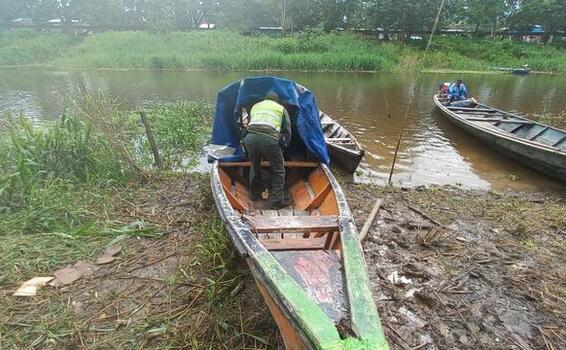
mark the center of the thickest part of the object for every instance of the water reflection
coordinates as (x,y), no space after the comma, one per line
(372,106)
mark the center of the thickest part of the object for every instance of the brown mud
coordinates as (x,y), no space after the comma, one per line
(454,269)
(486,271)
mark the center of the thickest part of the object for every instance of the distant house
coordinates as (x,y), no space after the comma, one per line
(75,26)
(207,26)
(534,35)
(57,21)
(22,22)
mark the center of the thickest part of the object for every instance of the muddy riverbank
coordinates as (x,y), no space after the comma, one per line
(454,269)
(451,269)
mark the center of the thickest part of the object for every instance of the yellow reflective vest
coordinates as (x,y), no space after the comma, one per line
(267,113)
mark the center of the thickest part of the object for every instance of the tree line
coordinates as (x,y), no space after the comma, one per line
(481,16)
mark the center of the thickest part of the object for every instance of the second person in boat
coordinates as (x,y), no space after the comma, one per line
(458,91)
(268,132)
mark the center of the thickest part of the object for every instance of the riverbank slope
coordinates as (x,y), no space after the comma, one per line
(142,259)
(487,281)
(230,51)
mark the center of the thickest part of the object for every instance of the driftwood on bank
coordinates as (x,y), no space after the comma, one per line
(151,139)
(370,219)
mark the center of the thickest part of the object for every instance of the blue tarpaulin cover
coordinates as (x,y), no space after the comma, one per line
(246,92)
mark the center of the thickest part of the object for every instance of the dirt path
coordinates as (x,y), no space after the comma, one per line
(491,277)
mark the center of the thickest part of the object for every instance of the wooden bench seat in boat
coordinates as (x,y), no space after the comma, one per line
(265,164)
(316,223)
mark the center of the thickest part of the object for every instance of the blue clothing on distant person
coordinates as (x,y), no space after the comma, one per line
(457,92)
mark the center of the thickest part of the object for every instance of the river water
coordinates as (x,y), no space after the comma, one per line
(372,106)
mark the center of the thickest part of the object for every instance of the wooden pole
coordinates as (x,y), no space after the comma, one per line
(369,221)
(151,140)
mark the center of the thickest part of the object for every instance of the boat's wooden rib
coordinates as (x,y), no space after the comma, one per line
(497,120)
(306,259)
(265,164)
(536,145)
(343,147)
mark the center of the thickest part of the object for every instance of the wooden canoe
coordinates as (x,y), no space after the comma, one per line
(536,145)
(306,259)
(517,71)
(343,147)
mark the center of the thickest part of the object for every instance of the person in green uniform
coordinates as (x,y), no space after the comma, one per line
(268,132)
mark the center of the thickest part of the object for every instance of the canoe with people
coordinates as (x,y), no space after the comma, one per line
(296,233)
(538,146)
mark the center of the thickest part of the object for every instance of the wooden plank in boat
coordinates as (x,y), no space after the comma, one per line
(537,134)
(318,181)
(296,223)
(482,113)
(300,194)
(271,213)
(516,128)
(339,139)
(317,201)
(560,141)
(288,164)
(235,202)
(285,212)
(453,108)
(320,274)
(278,244)
(498,120)
(334,131)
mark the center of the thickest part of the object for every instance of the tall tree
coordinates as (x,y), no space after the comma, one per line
(549,13)
(486,14)
(405,15)
(249,14)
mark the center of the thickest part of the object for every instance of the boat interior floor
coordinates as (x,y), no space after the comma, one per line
(521,128)
(319,274)
(303,237)
(310,222)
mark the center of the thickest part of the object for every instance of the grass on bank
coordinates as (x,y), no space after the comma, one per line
(308,51)
(30,48)
(57,181)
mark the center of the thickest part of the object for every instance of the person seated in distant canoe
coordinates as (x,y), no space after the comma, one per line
(443,89)
(268,131)
(458,91)
(443,93)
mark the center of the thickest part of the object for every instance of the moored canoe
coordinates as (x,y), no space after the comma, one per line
(343,147)
(535,145)
(306,259)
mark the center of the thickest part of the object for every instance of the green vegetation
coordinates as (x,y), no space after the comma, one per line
(219,50)
(27,48)
(487,54)
(72,188)
(309,51)
(57,180)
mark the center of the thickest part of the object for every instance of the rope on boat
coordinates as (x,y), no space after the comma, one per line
(412,97)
